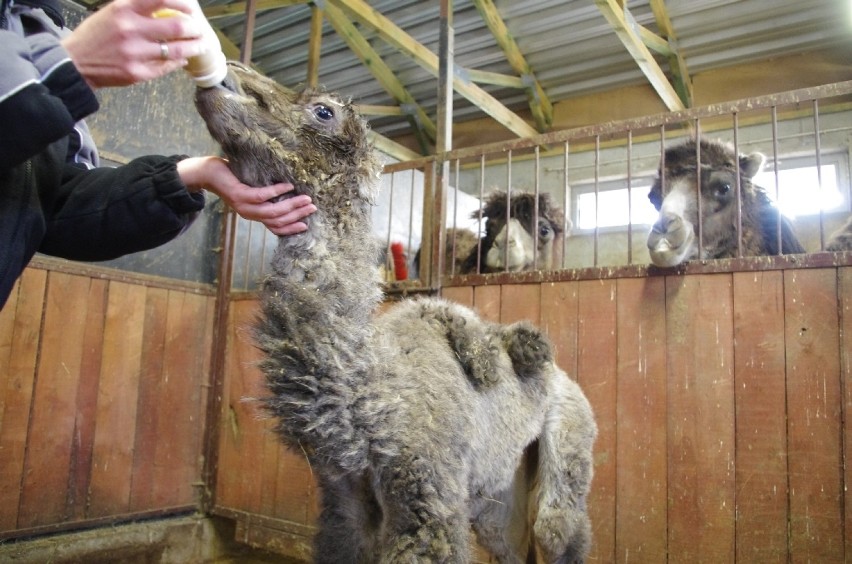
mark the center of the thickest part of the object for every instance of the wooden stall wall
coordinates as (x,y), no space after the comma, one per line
(103,393)
(721,401)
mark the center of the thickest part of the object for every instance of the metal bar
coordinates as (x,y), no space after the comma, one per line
(565,188)
(508,209)
(597,196)
(535,209)
(678,117)
(738,186)
(455,216)
(777,181)
(698,188)
(629,196)
(818,150)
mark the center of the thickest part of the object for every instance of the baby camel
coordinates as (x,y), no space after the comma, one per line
(416,421)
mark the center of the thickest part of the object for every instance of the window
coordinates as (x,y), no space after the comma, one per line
(614,209)
(798,193)
(799,185)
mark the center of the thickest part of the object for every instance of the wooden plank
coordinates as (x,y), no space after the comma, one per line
(115,422)
(699,336)
(520,302)
(813,403)
(845,308)
(559,320)
(641,471)
(596,374)
(242,435)
(148,412)
(294,488)
(761,457)
(180,401)
(87,399)
(54,403)
(459,294)
(20,335)
(486,302)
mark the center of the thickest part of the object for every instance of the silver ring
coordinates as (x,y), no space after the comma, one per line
(164,50)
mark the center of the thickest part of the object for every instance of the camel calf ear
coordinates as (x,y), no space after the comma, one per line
(751,164)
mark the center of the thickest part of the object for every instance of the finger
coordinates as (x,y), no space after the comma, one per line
(173,28)
(178,50)
(267,193)
(289,229)
(291,209)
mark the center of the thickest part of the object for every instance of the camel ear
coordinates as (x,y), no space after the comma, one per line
(751,164)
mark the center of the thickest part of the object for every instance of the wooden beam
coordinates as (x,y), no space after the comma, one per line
(486,77)
(239,8)
(682,81)
(622,22)
(654,42)
(540,106)
(372,61)
(314,46)
(390,32)
(392,148)
(370,110)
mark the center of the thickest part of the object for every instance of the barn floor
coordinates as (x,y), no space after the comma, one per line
(191,539)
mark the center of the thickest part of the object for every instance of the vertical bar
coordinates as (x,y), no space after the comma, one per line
(629,196)
(314,44)
(777,180)
(444,141)
(389,259)
(508,209)
(452,268)
(738,186)
(535,209)
(210,470)
(819,176)
(248,252)
(411,221)
(479,223)
(248,38)
(698,188)
(568,208)
(597,194)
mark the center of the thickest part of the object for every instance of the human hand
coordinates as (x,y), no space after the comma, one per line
(281,217)
(123,43)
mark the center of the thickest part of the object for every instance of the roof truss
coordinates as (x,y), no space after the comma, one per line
(639,41)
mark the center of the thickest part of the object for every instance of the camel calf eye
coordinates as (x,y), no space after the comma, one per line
(323,113)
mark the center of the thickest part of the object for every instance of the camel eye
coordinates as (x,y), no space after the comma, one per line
(723,189)
(323,112)
(544,230)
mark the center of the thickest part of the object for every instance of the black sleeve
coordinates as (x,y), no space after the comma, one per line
(42,96)
(105,213)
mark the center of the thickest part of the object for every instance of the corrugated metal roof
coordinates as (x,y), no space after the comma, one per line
(570,46)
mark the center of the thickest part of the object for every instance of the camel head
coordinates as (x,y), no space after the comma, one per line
(312,139)
(674,236)
(519,238)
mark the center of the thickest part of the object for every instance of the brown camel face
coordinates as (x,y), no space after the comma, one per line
(270,134)
(674,237)
(521,243)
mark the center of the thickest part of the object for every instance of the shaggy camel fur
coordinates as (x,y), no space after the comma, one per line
(518,230)
(415,422)
(674,237)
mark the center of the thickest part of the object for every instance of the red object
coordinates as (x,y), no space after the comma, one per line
(400,269)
